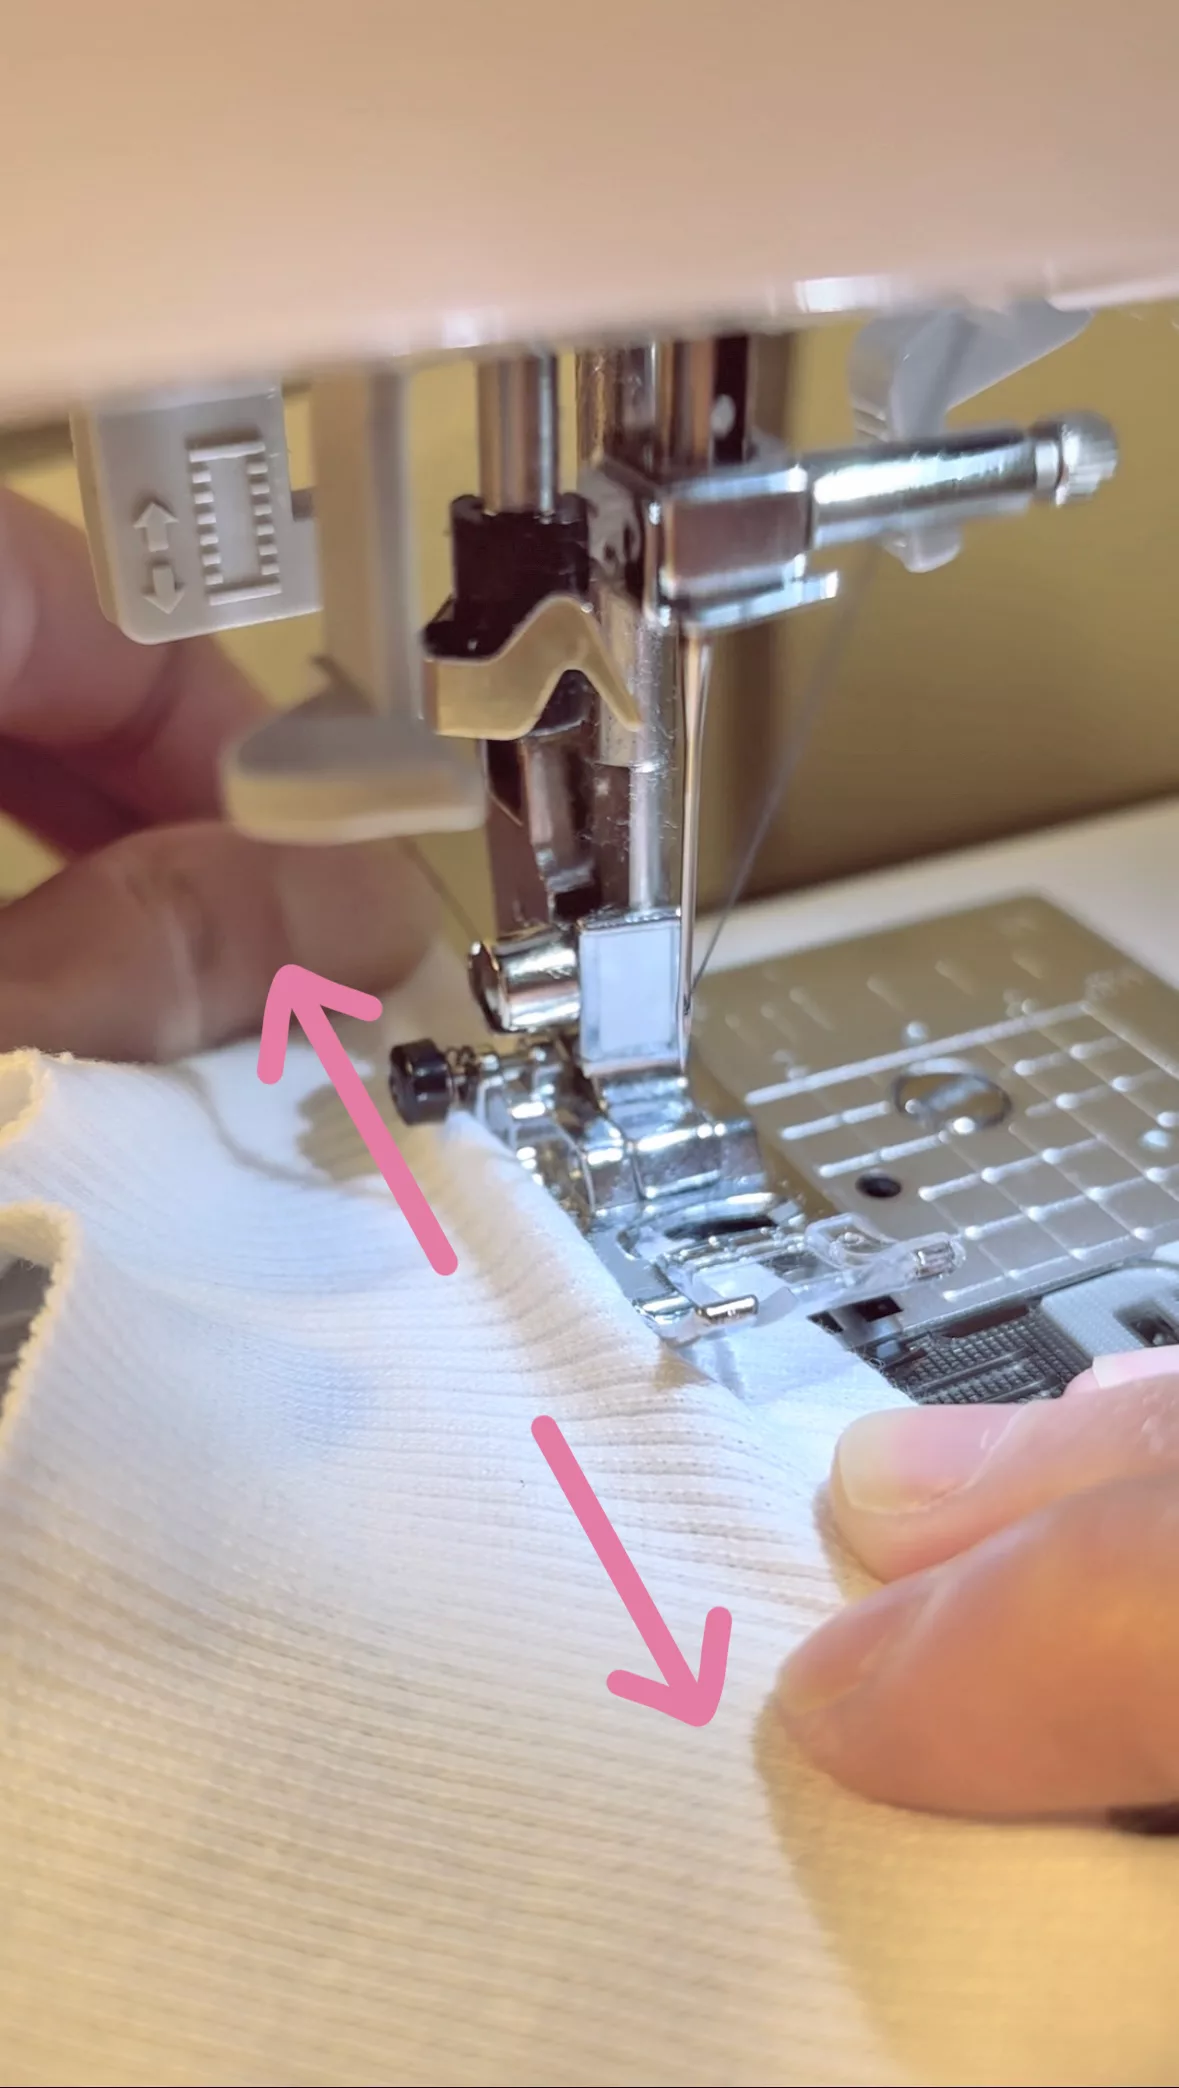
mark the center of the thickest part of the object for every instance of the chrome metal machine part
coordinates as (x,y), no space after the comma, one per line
(1004,1076)
(561,692)
(692,523)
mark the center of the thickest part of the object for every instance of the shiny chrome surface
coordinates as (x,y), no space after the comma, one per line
(519,442)
(726,547)
(592,382)
(951,1095)
(676,1204)
(982,472)
(1045,1067)
(695,674)
(697,525)
(1088,455)
(636,779)
(528,984)
(686,375)
(630,1014)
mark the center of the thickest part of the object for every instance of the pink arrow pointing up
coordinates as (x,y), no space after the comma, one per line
(683,1695)
(303,994)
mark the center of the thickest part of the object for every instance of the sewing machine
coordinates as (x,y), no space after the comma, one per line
(947,1128)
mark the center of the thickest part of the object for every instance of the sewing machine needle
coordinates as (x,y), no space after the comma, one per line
(695,666)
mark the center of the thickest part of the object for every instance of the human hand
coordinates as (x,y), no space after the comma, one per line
(1025,1657)
(163,932)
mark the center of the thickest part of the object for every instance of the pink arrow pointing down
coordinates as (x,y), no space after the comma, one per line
(303,994)
(683,1695)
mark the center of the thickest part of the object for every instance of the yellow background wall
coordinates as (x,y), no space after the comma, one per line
(1034,679)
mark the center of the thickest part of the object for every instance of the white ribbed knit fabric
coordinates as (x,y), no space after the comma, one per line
(310,1772)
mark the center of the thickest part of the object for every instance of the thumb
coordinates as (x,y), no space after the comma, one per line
(167,941)
(912,1485)
(1036,1673)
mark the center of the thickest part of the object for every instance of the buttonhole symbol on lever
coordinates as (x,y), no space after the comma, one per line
(154,521)
(163,588)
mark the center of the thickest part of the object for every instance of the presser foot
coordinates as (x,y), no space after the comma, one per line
(675,1201)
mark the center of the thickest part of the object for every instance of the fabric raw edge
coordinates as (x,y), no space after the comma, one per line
(42,1233)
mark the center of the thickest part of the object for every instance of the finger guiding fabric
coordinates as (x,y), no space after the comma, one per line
(1038,1672)
(167,942)
(914,1486)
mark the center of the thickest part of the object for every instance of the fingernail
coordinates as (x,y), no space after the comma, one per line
(841,1654)
(1129,1369)
(908,1457)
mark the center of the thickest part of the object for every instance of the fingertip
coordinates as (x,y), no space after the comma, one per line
(911,1485)
(1033,1674)
(1135,1367)
(907,1458)
(1142,1366)
(169,941)
(840,1656)
(917,1485)
(1086,1382)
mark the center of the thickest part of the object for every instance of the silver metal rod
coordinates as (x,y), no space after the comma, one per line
(637,826)
(695,675)
(645,843)
(593,386)
(631,396)
(687,402)
(985,471)
(519,434)
(687,395)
